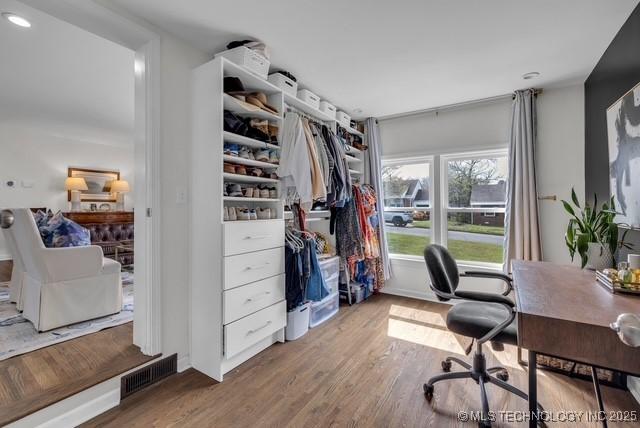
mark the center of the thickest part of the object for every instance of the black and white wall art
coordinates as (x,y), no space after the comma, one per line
(623,129)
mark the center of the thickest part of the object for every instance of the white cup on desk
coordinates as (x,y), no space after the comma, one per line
(634,261)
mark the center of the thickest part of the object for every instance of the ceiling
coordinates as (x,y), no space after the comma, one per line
(64,80)
(390,57)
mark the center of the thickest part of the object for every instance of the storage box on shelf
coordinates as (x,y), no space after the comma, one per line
(310,98)
(343,119)
(327,108)
(287,85)
(249,59)
(237,294)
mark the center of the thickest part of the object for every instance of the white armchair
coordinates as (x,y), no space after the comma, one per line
(17,273)
(63,286)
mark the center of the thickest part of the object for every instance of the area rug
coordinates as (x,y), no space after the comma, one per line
(18,336)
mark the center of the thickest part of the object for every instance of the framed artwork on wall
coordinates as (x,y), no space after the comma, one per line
(623,133)
(98,184)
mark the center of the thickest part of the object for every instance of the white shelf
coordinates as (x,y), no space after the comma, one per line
(263,220)
(354,132)
(230,137)
(311,215)
(306,108)
(353,159)
(351,149)
(354,172)
(236,107)
(249,162)
(238,178)
(252,82)
(243,199)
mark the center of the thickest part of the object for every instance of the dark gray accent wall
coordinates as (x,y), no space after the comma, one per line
(617,71)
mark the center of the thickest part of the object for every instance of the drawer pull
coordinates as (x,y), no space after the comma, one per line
(257,267)
(259,328)
(257,237)
(258,296)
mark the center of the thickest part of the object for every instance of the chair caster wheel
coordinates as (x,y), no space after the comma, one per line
(503,375)
(446,366)
(428,391)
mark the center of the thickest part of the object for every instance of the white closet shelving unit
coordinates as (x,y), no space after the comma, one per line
(238,303)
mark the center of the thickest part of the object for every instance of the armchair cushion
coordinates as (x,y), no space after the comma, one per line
(60,232)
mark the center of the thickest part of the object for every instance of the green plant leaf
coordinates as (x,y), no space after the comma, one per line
(568,208)
(574,198)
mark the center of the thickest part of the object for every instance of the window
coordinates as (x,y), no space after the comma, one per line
(407,206)
(476,190)
(468,190)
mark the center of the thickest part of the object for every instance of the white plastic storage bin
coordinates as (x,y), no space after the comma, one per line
(328,109)
(309,97)
(287,85)
(330,269)
(325,309)
(249,59)
(297,322)
(343,119)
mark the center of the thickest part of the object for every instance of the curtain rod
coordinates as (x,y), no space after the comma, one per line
(452,106)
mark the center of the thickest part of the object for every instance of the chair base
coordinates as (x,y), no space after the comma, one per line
(482,375)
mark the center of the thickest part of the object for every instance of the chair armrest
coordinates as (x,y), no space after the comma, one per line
(491,275)
(479,296)
(70,263)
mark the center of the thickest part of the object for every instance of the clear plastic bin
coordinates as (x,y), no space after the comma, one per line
(325,309)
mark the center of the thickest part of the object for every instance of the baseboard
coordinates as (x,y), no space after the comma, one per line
(184,363)
(403,292)
(633,383)
(86,411)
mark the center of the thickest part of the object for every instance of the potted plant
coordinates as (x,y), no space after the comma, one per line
(592,233)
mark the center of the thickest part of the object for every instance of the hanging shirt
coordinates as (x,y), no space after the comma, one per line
(295,168)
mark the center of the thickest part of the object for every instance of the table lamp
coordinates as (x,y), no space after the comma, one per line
(119,187)
(75,185)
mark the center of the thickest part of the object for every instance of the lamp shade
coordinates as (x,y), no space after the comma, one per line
(119,186)
(75,183)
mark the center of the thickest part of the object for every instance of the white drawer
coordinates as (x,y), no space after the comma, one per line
(243,333)
(245,236)
(250,298)
(251,267)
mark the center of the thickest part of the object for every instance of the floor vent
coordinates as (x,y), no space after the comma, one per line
(148,375)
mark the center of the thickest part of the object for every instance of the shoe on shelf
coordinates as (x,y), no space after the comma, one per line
(243,214)
(241,170)
(273,193)
(273,157)
(226,214)
(249,192)
(255,172)
(264,192)
(273,134)
(231,149)
(229,168)
(264,213)
(263,155)
(252,214)
(273,175)
(234,190)
(233,216)
(244,153)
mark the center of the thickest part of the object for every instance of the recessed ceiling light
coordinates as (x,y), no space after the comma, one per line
(16,19)
(531,75)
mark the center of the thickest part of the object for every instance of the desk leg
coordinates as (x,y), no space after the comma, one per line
(596,387)
(533,390)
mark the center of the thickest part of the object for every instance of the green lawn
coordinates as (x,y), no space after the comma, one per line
(461,250)
(464,227)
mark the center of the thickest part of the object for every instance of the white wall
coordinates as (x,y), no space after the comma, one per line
(41,155)
(178,60)
(560,163)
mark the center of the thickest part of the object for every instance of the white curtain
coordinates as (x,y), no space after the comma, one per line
(373,176)
(522,238)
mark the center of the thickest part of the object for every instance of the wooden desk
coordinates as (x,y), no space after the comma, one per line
(564,312)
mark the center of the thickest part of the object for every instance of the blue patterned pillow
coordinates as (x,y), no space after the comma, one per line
(61,232)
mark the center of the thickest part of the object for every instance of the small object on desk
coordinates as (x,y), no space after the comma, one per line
(634,261)
(612,281)
(628,328)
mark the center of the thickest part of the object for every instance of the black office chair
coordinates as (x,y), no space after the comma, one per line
(484,317)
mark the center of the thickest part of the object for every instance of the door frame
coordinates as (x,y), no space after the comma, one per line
(104,20)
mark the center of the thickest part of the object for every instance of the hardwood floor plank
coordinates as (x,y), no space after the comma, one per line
(364,368)
(35,380)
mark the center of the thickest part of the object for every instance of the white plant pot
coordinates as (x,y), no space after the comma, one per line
(598,257)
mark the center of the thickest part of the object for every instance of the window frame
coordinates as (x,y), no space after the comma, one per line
(439,197)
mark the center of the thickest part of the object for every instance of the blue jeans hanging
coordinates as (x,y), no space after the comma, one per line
(316,287)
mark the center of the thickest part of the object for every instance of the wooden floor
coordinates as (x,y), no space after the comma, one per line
(364,368)
(5,270)
(40,378)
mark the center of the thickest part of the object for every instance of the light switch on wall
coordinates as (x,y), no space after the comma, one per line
(27,184)
(181,195)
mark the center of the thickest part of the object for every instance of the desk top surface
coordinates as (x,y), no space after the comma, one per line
(567,293)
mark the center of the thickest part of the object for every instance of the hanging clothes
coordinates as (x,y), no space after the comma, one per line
(294,168)
(319,190)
